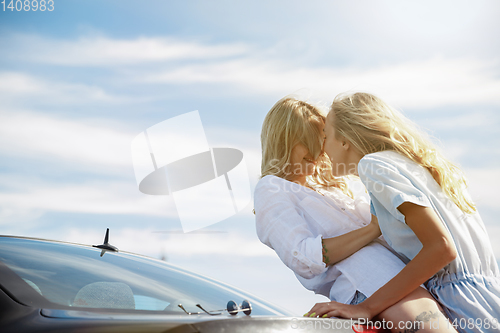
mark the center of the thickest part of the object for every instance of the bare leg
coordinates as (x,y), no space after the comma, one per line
(417,312)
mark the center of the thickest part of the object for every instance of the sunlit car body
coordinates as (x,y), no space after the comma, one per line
(49,286)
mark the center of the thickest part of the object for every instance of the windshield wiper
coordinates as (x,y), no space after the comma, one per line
(232,308)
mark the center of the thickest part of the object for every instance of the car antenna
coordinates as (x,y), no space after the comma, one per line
(106,246)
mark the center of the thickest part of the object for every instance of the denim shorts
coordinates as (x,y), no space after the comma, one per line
(358,298)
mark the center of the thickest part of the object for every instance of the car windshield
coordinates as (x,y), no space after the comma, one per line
(69,276)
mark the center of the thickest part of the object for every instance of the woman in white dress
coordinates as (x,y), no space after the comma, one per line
(424,212)
(315,226)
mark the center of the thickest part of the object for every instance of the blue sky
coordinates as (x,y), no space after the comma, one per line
(79,83)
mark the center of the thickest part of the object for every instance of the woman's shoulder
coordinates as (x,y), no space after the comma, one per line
(387,159)
(271,183)
(381,166)
(386,155)
(269,180)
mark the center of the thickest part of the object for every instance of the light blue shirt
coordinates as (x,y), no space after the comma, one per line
(469,286)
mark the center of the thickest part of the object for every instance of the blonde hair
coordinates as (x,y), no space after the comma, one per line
(371,126)
(288,123)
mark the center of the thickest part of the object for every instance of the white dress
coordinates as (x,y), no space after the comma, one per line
(468,288)
(292,220)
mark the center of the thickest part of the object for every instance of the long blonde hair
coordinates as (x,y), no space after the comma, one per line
(290,122)
(371,126)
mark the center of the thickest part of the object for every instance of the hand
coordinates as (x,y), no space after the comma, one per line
(340,310)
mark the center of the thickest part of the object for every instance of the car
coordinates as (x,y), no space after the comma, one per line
(53,286)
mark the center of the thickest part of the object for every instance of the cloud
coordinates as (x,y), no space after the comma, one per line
(431,83)
(17,88)
(103,51)
(243,69)
(26,201)
(469,153)
(83,143)
(483,186)
(71,150)
(186,245)
(20,201)
(246,141)
(145,241)
(92,146)
(471,120)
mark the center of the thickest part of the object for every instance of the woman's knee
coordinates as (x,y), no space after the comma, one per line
(419,310)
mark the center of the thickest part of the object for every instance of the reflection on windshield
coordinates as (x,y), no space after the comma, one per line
(76,276)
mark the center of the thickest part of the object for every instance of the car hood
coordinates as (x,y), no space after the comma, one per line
(205,323)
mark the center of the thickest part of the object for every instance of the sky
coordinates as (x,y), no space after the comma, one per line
(78,83)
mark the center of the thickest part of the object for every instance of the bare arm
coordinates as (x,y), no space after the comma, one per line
(338,248)
(437,251)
